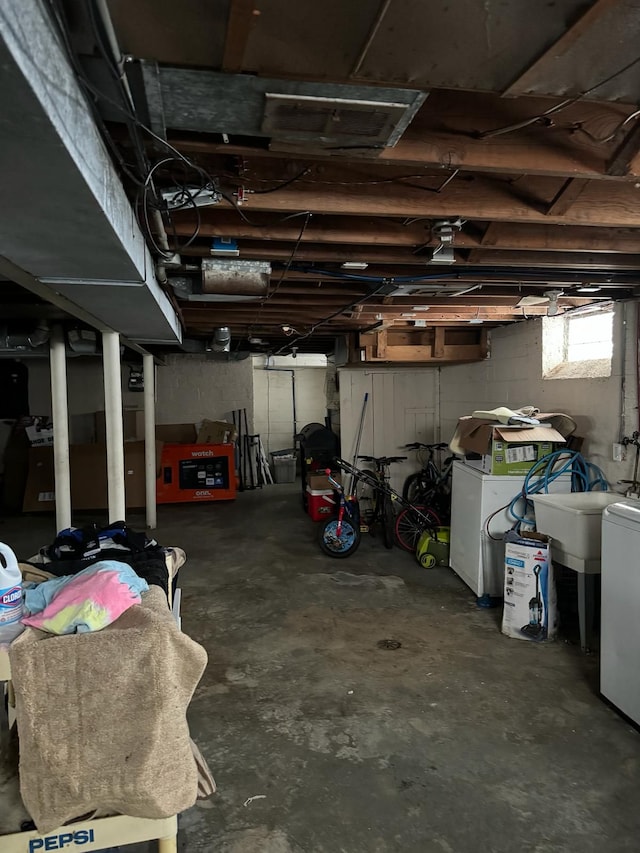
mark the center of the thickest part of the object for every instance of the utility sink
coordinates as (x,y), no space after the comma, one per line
(574,521)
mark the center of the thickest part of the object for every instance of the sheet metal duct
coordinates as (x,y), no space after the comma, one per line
(286,110)
(221,341)
(82,241)
(233,281)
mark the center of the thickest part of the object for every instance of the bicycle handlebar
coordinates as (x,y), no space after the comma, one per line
(417,445)
(383,460)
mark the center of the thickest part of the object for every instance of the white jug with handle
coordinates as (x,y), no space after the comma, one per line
(10,595)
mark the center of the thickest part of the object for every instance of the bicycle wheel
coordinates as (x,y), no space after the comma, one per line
(367,495)
(410,526)
(388,521)
(339,545)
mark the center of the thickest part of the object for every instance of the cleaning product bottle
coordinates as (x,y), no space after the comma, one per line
(10,595)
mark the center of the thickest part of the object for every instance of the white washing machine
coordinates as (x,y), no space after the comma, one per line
(474,556)
(620,612)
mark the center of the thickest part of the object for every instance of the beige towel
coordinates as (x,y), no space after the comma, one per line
(102,717)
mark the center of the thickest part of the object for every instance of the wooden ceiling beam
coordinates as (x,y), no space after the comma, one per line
(624,157)
(598,204)
(242,16)
(569,238)
(445,136)
(353,232)
(564,260)
(216,222)
(566,196)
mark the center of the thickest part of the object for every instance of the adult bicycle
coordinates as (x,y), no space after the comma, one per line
(412,520)
(374,496)
(431,486)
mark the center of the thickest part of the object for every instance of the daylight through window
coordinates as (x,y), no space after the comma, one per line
(578,344)
(590,336)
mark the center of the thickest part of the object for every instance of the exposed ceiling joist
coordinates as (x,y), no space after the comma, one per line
(598,204)
(242,16)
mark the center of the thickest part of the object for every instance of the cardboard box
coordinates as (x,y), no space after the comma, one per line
(132,426)
(88,469)
(39,493)
(530,607)
(513,452)
(176,433)
(16,469)
(320,481)
(39,431)
(133,429)
(217,432)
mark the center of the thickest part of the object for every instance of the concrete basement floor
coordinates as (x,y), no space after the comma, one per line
(460,740)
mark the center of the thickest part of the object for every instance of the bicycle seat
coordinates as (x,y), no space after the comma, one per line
(368,458)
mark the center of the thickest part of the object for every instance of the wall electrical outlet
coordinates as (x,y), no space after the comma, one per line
(619,452)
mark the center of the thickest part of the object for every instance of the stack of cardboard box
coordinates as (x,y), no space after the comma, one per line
(88,466)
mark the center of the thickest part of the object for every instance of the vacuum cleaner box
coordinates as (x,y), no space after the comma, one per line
(530,606)
(513,452)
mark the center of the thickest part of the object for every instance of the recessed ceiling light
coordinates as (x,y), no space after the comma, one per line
(354,265)
(476,321)
(588,288)
(420,307)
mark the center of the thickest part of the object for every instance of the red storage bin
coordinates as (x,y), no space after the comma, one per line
(321,503)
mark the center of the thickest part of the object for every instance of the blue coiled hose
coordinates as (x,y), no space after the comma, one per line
(585,477)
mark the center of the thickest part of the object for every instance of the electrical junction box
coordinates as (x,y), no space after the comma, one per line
(196,472)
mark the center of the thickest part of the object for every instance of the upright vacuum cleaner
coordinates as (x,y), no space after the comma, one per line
(535,628)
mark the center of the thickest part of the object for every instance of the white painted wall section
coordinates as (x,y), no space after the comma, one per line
(273,399)
(403,406)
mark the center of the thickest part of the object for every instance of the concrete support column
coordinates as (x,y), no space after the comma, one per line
(150,438)
(114,430)
(60,415)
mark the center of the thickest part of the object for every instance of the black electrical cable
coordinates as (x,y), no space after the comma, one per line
(282,185)
(488,134)
(289,345)
(285,270)
(287,266)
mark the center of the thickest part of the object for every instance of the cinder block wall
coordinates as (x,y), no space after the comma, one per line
(513,377)
(191,388)
(84,384)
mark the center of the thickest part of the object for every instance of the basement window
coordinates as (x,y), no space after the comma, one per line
(578,344)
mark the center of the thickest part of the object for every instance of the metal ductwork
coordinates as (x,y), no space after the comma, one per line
(225,281)
(228,279)
(94,255)
(318,114)
(221,341)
